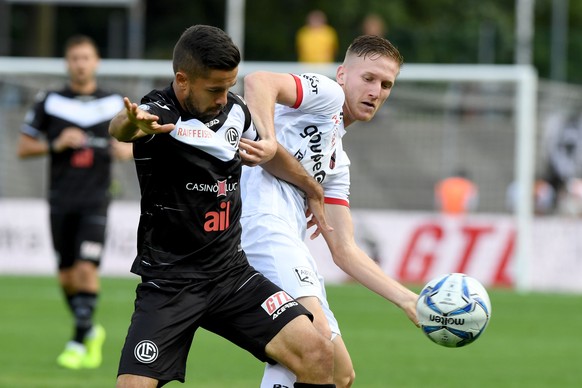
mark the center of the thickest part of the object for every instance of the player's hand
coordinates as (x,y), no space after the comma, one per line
(316,213)
(70,137)
(409,308)
(254,153)
(145,121)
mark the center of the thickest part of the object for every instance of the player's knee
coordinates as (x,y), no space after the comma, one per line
(323,328)
(345,379)
(319,353)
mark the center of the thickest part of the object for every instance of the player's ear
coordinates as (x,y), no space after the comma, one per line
(181,80)
(340,75)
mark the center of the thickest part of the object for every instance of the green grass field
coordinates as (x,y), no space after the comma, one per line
(533,340)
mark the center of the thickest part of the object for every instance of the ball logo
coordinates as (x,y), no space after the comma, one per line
(146,352)
(446,320)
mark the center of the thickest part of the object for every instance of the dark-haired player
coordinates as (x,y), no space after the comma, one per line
(194,272)
(70,125)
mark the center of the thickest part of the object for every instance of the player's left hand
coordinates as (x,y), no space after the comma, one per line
(254,153)
(409,308)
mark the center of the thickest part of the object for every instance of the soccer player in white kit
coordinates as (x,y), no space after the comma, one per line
(310,113)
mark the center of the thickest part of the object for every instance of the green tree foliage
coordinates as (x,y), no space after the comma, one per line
(426,31)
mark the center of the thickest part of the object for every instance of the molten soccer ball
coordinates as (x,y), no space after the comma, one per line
(453,310)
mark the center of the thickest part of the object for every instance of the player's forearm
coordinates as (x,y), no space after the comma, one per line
(285,167)
(363,269)
(30,147)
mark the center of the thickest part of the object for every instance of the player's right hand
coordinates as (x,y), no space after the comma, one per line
(145,121)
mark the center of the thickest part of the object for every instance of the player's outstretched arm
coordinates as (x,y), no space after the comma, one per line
(355,262)
(132,123)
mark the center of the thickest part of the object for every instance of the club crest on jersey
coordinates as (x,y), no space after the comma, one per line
(277,303)
(232,137)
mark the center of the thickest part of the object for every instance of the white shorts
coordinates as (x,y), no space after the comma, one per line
(276,249)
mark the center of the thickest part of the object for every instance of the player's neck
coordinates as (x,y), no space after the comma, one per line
(83,87)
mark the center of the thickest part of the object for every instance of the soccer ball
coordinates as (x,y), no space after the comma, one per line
(453,310)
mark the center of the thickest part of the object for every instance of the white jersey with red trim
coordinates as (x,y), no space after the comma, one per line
(311,130)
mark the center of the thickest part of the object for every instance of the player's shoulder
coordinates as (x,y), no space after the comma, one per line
(320,92)
(160,101)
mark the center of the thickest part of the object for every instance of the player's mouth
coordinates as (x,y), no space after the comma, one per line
(369,105)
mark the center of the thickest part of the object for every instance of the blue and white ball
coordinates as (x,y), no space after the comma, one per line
(453,310)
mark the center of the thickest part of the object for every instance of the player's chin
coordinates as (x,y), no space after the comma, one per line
(366,112)
(365,115)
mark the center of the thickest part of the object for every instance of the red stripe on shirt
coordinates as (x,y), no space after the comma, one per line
(299,89)
(336,201)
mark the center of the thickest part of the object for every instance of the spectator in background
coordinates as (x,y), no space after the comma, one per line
(543,197)
(563,156)
(71,126)
(456,194)
(316,41)
(374,24)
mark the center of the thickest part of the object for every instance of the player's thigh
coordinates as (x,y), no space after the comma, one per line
(277,251)
(162,328)
(91,234)
(319,319)
(286,349)
(132,381)
(64,228)
(253,313)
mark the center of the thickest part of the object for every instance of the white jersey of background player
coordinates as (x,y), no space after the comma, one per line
(306,112)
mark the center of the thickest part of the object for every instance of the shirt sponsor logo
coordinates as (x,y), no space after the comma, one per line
(221,188)
(305,275)
(315,146)
(91,250)
(162,105)
(212,122)
(277,303)
(216,221)
(313,83)
(194,132)
(146,352)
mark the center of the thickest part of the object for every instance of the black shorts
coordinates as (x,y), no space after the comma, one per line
(78,235)
(245,308)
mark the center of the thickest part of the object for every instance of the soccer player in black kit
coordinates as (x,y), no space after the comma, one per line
(194,273)
(71,126)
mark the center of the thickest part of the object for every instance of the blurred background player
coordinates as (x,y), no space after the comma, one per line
(71,126)
(316,41)
(310,113)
